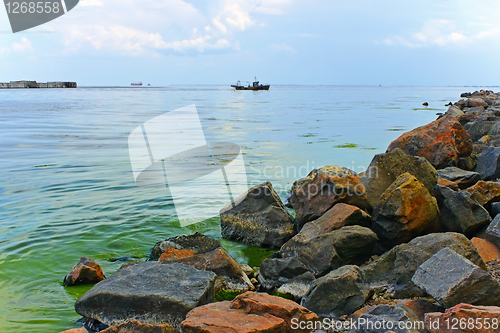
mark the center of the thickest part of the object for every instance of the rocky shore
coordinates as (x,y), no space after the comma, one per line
(410,245)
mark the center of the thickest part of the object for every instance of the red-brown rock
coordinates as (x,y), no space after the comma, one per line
(220,318)
(486,249)
(473,102)
(262,304)
(313,195)
(474,319)
(172,254)
(485,192)
(76,330)
(448,183)
(135,326)
(86,271)
(441,142)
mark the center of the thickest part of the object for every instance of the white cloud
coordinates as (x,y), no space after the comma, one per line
(90,3)
(23,45)
(282,47)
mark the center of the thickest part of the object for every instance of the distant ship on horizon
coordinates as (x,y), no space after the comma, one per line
(139,84)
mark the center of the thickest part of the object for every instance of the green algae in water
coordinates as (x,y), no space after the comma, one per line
(346,145)
(282,295)
(309,135)
(226,295)
(44,165)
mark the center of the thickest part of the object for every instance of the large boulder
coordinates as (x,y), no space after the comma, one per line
(257,217)
(452,279)
(482,318)
(85,272)
(385,168)
(196,242)
(338,293)
(289,274)
(347,245)
(404,211)
(394,270)
(485,192)
(221,263)
(493,231)
(488,163)
(463,178)
(441,142)
(313,195)
(387,318)
(459,212)
(248,313)
(149,292)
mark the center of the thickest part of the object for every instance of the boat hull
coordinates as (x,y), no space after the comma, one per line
(266,87)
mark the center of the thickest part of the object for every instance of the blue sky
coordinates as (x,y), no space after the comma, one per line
(164,42)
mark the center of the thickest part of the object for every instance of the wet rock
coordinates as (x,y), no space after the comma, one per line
(264,304)
(463,313)
(452,279)
(222,264)
(380,318)
(315,194)
(488,163)
(249,312)
(135,326)
(196,242)
(441,142)
(394,270)
(347,245)
(485,192)
(404,211)
(463,178)
(486,249)
(149,292)
(85,272)
(460,213)
(287,272)
(219,317)
(257,218)
(493,231)
(172,254)
(338,293)
(384,169)
(473,102)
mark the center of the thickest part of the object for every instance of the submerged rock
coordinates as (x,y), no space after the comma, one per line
(404,211)
(394,270)
(85,272)
(460,213)
(347,245)
(149,292)
(338,293)
(452,279)
(222,264)
(315,194)
(441,142)
(196,242)
(257,218)
(384,169)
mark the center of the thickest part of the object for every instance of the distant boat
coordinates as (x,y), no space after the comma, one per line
(139,84)
(149,84)
(255,86)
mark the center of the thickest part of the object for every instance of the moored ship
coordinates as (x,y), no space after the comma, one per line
(255,86)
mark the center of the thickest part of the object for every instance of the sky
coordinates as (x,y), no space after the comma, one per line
(314,42)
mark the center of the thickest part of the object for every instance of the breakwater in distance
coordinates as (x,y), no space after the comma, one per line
(34,84)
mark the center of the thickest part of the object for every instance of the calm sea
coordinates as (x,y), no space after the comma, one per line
(67,189)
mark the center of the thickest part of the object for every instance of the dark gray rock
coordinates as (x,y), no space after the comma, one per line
(388,318)
(384,169)
(495,208)
(257,218)
(288,273)
(347,245)
(488,163)
(394,270)
(452,279)
(454,112)
(493,231)
(149,292)
(404,211)
(196,242)
(463,178)
(459,212)
(338,293)
(315,194)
